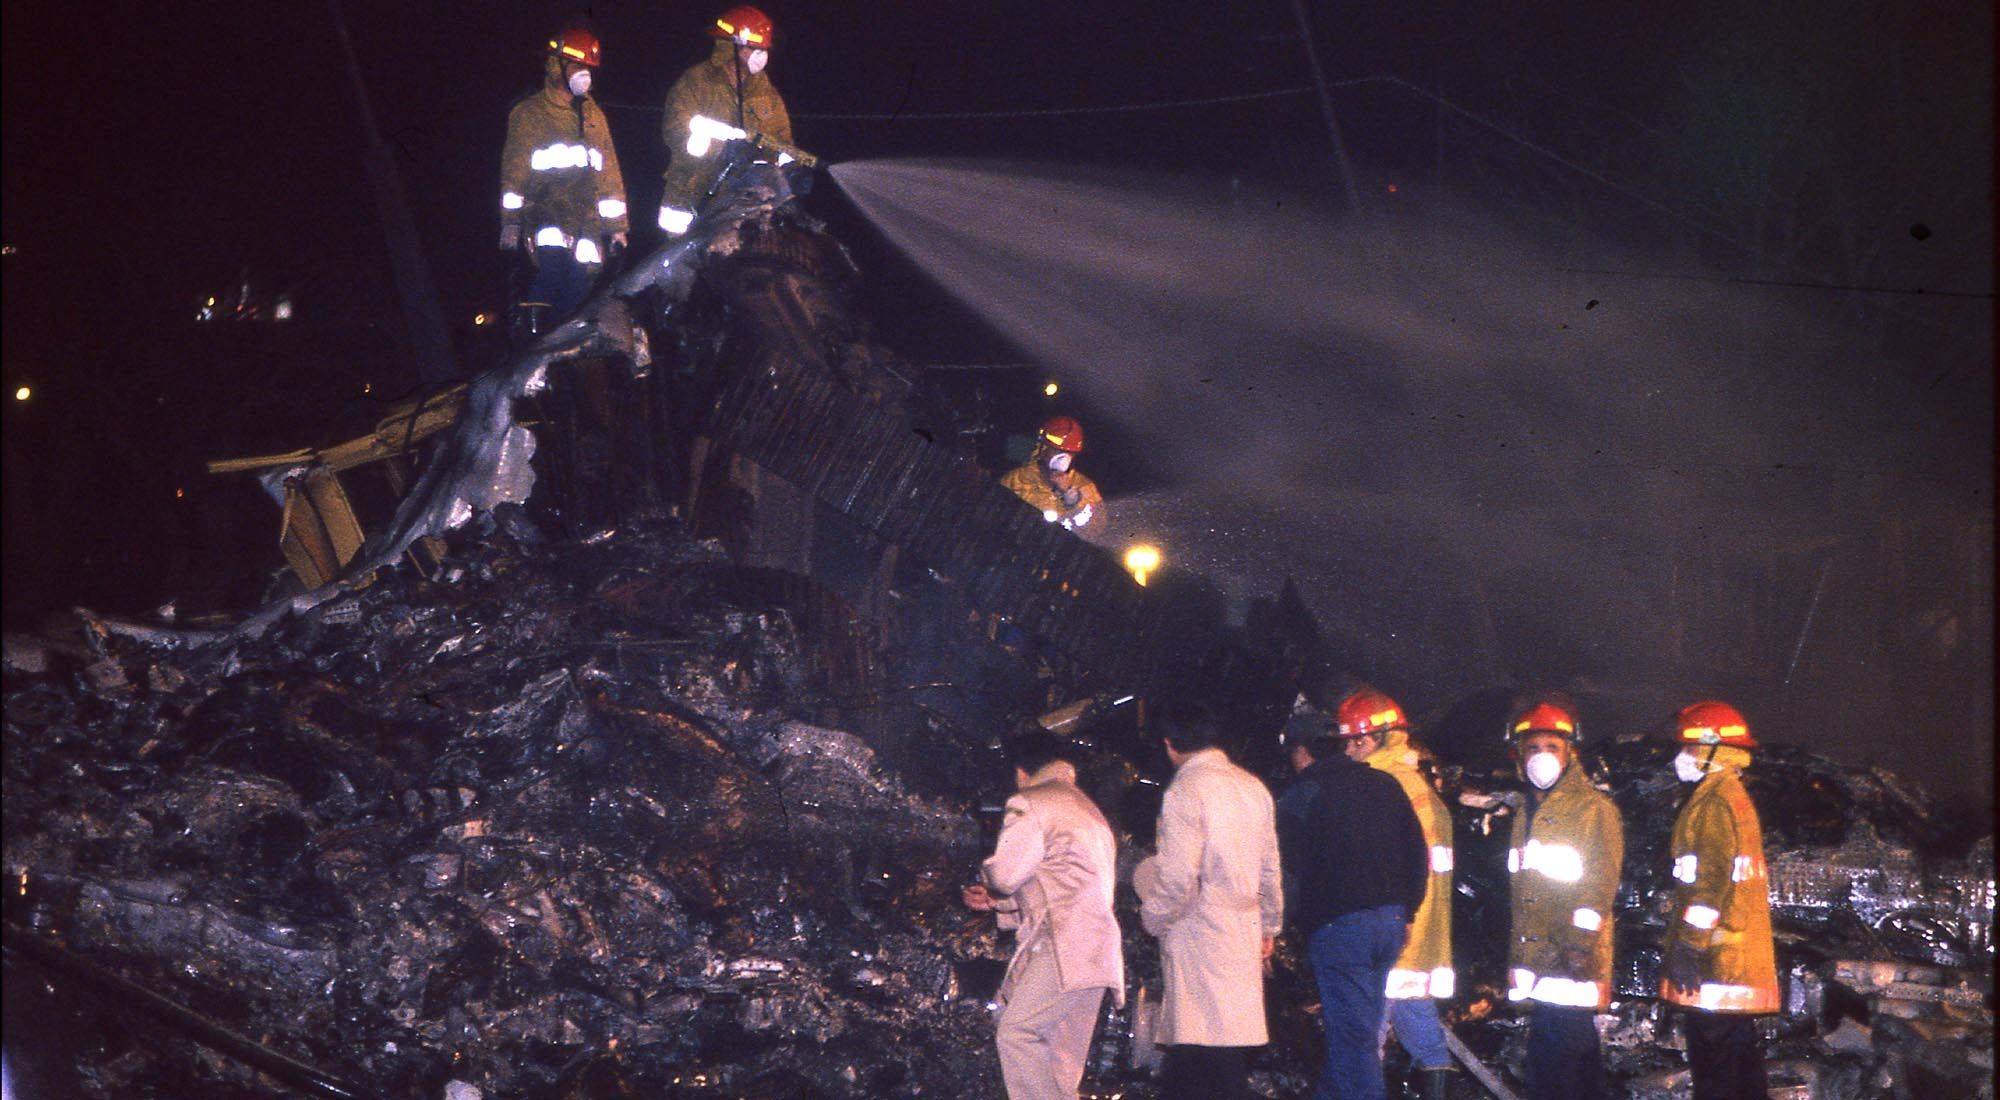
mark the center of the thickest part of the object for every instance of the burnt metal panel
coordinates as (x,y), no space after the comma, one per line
(860,458)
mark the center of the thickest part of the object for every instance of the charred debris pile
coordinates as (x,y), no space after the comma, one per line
(580,820)
(549,830)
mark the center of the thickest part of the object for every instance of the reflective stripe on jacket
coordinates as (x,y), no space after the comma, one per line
(1028,482)
(705,90)
(558,169)
(1424,968)
(1563,867)
(1721,899)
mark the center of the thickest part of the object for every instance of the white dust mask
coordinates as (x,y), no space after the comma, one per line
(755,63)
(1689,767)
(1543,769)
(579,82)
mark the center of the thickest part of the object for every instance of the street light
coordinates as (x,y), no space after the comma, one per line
(22,393)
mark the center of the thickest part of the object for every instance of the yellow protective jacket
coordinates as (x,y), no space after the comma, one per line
(1563,863)
(706,90)
(1028,482)
(1424,968)
(558,170)
(1721,898)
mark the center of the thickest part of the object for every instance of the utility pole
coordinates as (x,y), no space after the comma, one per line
(1326,108)
(422,314)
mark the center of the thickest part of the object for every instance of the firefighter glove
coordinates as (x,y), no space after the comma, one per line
(1683,966)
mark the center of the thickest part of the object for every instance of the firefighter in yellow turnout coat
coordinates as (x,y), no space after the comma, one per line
(1049,481)
(728,95)
(1720,964)
(562,196)
(1422,975)
(1563,864)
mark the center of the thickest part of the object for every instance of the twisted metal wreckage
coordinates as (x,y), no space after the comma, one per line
(532,793)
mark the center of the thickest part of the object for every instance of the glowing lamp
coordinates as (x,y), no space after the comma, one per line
(1141,560)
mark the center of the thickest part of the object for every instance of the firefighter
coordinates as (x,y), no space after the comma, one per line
(727,96)
(1719,965)
(1562,864)
(1049,480)
(562,197)
(1373,730)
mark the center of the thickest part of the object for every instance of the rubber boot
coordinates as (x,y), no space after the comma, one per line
(1435,1084)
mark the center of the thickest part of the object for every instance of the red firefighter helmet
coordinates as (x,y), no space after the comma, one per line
(745,26)
(1367,711)
(1543,717)
(1063,433)
(578,42)
(1712,722)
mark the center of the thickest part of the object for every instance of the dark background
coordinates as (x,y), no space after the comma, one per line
(155,158)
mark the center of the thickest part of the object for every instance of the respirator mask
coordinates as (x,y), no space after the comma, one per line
(1543,769)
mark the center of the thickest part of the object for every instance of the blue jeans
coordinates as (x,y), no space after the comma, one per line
(1417,1028)
(1351,957)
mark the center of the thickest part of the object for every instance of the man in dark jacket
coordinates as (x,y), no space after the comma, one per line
(1355,853)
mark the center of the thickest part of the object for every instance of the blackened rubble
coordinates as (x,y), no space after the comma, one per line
(554,821)
(563,826)
(590,806)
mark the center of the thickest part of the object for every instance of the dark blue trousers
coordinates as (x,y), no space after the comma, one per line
(1564,1062)
(560,282)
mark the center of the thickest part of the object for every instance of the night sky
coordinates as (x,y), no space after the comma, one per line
(155,158)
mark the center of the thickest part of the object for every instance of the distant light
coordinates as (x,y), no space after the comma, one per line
(282,311)
(179,493)
(23,393)
(481,319)
(1050,390)
(367,387)
(1392,189)
(8,250)
(1141,560)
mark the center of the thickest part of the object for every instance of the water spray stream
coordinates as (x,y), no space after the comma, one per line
(1432,412)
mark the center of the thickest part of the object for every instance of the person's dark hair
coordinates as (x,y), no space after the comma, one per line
(1324,748)
(1037,749)
(1189,727)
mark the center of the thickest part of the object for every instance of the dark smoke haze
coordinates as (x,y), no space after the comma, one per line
(1488,462)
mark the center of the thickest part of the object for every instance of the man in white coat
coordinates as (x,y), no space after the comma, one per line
(1212,896)
(1051,878)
